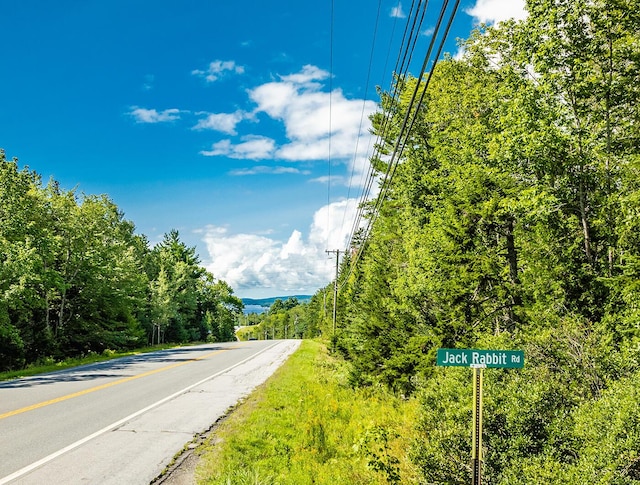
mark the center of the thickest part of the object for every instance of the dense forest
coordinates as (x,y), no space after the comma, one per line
(75,278)
(512,220)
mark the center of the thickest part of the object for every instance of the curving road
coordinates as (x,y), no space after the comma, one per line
(122,421)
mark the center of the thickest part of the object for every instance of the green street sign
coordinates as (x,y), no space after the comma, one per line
(480,358)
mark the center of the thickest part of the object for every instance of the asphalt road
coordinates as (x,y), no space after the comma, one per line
(123,421)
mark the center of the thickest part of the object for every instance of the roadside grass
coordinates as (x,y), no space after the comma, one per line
(50,365)
(306,425)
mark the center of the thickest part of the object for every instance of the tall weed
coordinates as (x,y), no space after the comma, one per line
(307,426)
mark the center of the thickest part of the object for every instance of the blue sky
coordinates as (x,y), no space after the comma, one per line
(212,117)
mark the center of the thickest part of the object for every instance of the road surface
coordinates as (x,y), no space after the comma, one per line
(123,421)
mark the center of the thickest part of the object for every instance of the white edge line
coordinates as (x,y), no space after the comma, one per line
(53,456)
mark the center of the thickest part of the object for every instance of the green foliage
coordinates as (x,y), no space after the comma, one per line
(374,447)
(75,279)
(511,221)
(11,345)
(443,449)
(306,426)
(550,422)
(609,430)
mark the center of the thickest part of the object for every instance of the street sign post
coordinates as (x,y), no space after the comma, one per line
(478,360)
(476,439)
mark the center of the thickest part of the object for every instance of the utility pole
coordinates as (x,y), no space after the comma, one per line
(335,293)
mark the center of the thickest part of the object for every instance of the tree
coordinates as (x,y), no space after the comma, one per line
(163,307)
(21,334)
(225,311)
(277,306)
(177,286)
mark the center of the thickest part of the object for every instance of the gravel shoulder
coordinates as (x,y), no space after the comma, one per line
(183,469)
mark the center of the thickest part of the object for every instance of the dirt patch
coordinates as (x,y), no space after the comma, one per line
(183,469)
(183,472)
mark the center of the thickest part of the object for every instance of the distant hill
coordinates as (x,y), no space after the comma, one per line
(267,302)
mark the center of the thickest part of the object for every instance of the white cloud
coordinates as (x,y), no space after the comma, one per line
(223,122)
(397,12)
(326,179)
(332,223)
(429,31)
(308,126)
(494,11)
(249,262)
(143,115)
(273,98)
(315,121)
(317,124)
(308,75)
(217,69)
(265,170)
(252,148)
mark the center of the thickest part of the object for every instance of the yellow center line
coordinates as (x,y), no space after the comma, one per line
(104,386)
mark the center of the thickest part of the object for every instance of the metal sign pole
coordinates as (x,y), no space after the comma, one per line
(476,451)
(478,360)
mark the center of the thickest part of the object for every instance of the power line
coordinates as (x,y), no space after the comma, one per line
(364,102)
(408,122)
(330,117)
(405,55)
(409,40)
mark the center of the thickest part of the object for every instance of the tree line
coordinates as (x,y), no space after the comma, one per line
(512,221)
(288,318)
(75,278)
